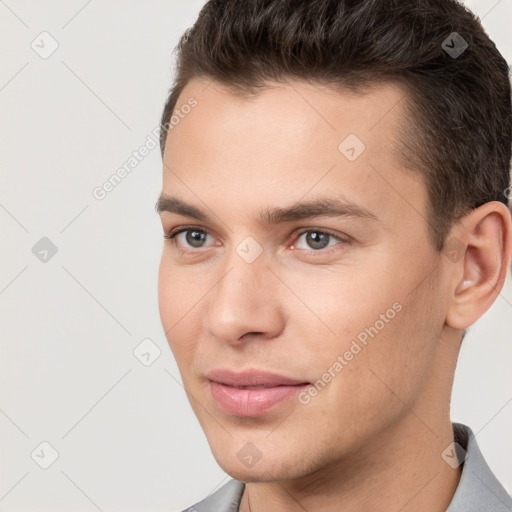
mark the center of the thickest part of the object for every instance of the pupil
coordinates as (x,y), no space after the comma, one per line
(317,240)
(195,237)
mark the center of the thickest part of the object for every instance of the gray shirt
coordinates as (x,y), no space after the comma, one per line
(478,489)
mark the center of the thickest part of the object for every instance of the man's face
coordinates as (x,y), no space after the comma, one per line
(294,295)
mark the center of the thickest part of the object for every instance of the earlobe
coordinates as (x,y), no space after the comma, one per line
(479,275)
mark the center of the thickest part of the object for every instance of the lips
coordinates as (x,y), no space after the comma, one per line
(252,378)
(253,392)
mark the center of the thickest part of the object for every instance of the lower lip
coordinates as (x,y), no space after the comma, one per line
(251,402)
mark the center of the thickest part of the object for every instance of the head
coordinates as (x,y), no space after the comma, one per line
(343,175)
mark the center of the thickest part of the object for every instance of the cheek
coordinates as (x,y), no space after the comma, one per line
(178,292)
(166,297)
(176,301)
(381,329)
(342,305)
(394,352)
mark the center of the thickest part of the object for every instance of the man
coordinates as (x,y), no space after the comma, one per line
(334,205)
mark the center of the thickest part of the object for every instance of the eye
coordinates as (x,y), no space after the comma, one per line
(189,237)
(316,239)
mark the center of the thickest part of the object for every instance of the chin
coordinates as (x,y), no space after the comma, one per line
(258,473)
(267,465)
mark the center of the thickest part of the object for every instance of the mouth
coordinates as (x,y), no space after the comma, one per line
(252,378)
(251,393)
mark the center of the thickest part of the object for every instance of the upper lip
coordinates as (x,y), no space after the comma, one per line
(251,377)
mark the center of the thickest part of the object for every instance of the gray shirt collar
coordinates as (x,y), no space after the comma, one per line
(478,488)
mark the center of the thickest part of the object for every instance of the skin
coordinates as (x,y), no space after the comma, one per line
(373,437)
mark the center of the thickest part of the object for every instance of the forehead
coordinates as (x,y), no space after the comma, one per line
(287,141)
(299,107)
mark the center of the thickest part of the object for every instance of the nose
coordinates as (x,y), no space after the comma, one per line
(244,303)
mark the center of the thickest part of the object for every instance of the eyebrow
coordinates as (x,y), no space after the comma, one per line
(320,207)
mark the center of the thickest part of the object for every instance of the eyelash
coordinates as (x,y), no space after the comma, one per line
(173,234)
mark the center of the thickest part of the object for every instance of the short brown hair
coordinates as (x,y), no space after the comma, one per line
(459,106)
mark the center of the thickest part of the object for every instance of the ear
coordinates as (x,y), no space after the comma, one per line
(478,257)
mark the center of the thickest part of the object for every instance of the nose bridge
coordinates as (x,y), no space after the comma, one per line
(247,272)
(243,285)
(243,299)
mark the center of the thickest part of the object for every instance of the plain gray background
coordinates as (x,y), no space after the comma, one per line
(125,435)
